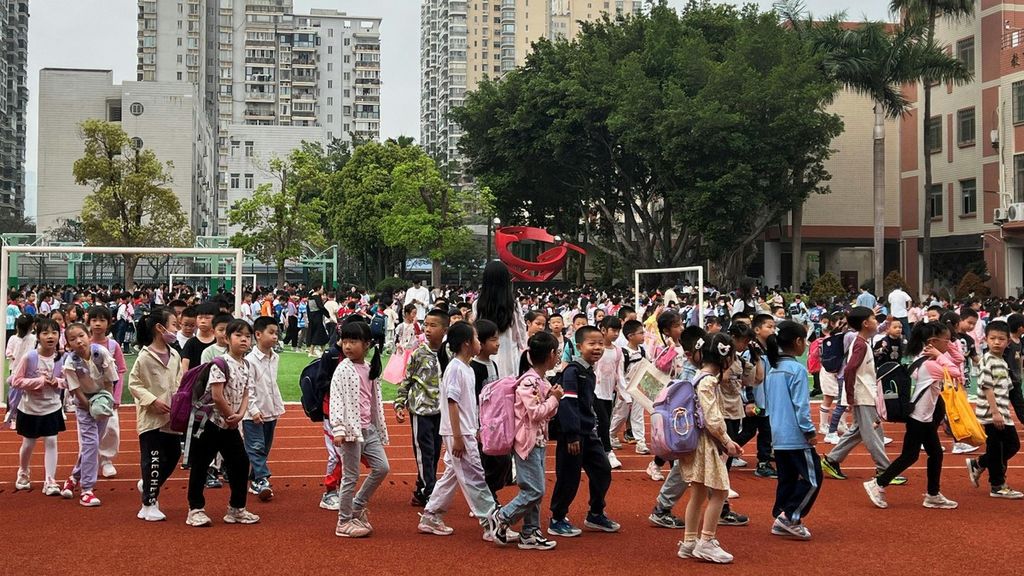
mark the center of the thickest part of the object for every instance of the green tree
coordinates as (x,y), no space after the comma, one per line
(661,139)
(827,286)
(877,59)
(131,204)
(277,225)
(927,13)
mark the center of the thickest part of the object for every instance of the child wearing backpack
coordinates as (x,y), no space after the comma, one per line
(793,432)
(99,329)
(419,395)
(265,407)
(497,469)
(579,446)
(704,468)
(89,372)
(611,375)
(152,381)
(18,345)
(38,376)
(625,409)
(929,344)
(756,421)
(459,427)
(358,426)
(220,434)
(830,356)
(536,403)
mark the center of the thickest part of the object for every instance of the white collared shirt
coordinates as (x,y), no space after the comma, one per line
(265,397)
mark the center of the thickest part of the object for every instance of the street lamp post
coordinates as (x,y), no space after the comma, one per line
(495,222)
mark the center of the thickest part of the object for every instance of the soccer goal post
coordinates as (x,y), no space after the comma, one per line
(687,269)
(176,276)
(7,251)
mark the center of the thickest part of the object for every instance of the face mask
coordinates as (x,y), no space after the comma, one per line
(169,338)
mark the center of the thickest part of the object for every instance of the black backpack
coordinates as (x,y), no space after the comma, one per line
(832,353)
(895,386)
(377,325)
(315,383)
(627,361)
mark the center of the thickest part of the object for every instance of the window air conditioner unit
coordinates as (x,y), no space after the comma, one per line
(1015,212)
(994,137)
(999,215)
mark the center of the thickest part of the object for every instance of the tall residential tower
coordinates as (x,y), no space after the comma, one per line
(13,100)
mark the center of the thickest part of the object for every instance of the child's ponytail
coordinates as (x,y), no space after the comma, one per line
(375,365)
(145,329)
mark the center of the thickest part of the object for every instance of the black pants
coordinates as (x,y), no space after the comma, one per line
(1000,446)
(202,451)
(603,411)
(1017,400)
(799,482)
(292,332)
(732,428)
(594,460)
(497,472)
(761,427)
(918,434)
(160,452)
(426,447)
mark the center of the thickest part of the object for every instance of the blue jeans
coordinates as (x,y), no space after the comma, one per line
(258,440)
(526,504)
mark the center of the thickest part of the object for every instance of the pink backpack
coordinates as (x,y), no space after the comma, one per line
(498,416)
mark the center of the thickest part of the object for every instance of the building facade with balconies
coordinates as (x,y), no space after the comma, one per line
(13,102)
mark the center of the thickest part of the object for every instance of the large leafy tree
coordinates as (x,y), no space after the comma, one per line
(132,204)
(926,13)
(278,222)
(660,140)
(877,59)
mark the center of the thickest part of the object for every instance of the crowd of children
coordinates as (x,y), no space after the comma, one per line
(576,386)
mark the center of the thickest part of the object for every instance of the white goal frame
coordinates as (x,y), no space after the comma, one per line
(5,265)
(227,275)
(700,286)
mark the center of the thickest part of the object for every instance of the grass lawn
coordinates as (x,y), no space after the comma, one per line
(288,371)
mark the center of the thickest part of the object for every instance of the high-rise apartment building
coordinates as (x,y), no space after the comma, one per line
(259,64)
(13,100)
(462,42)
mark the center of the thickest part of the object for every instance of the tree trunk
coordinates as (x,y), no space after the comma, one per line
(280,272)
(435,272)
(798,223)
(926,230)
(879,197)
(130,261)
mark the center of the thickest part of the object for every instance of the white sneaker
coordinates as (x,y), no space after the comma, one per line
(832,438)
(614,461)
(51,488)
(654,472)
(876,493)
(240,516)
(939,501)
(842,428)
(143,512)
(711,551)
(823,428)
(616,444)
(686,549)
(108,470)
(739,463)
(963,448)
(23,482)
(642,449)
(198,519)
(733,494)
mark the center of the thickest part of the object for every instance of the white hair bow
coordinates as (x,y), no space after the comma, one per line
(724,348)
(699,344)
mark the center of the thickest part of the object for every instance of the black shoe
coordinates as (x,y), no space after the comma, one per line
(831,467)
(665,519)
(731,518)
(765,470)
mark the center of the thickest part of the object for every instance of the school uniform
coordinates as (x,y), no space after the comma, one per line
(797,463)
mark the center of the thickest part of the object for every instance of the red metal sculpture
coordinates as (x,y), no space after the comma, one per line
(548,263)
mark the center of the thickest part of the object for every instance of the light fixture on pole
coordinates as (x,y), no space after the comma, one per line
(495,222)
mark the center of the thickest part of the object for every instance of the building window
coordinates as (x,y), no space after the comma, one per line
(234,147)
(330,83)
(1018,178)
(1018,102)
(935,201)
(965,127)
(248,182)
(968,196)
(330,118)
(330,66)
(234,181)
(330,100)
(965,53)
(347,59)
(248,148)
(179,75)
(330,49)
(933,139)
(136,108)
(114,111)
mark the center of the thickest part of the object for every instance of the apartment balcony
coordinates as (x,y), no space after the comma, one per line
(368,115)
(304,47)
(259,114)
(364,64)
(367,48)
(255,60)
(303,80)
(259,79)
(258,97)
(368,81)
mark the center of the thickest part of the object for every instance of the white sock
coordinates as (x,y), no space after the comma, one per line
(25,454)
(50,457)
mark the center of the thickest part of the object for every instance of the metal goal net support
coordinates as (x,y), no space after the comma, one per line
(7,251)
(688,270)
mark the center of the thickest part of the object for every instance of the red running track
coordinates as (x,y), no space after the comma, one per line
(44,535)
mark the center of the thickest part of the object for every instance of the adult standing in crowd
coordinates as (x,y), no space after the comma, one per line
(420,296)
(497,303)
(316,334)
(866,298)
(899,307)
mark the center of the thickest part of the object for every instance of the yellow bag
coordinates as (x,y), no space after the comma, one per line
(960,414)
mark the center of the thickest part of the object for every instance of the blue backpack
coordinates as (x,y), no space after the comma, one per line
(677,420)
(832,354)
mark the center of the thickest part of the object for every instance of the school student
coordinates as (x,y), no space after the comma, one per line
(39,376)
(929,343)
(497,469)
(265,407)
(152,381)
(793,432)
(99,329)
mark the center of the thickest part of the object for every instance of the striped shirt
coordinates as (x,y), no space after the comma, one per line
(995,376)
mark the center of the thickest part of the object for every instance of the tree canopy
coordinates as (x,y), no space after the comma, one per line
(662,139)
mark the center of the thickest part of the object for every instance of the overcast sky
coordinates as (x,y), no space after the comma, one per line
(102,34)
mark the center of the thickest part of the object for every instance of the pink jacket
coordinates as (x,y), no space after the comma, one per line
(533,409)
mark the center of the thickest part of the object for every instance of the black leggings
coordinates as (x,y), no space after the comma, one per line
(603,411)
(202,451)
(160,452)
(918,434)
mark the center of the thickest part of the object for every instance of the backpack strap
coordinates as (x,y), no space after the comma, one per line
(916,365)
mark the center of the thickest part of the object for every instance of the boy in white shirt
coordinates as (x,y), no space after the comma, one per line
(265,407)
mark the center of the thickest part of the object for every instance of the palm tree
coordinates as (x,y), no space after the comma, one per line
(926,12)
(877,59)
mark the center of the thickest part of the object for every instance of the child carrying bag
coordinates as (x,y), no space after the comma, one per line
(963,423)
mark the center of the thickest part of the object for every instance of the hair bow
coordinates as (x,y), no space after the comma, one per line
(699,344)
(724,348)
